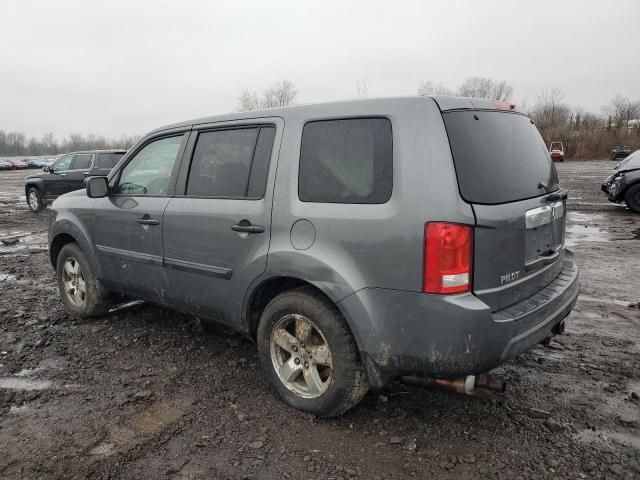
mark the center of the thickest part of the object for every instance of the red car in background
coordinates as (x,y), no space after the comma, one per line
(556,150)
(17,164)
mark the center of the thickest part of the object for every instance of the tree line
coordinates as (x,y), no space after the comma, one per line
(17,143)
(585,135)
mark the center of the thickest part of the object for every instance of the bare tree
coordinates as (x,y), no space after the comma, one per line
(622,111)
(362,88)
(482,87)
(248,101)
(280,94)
(431,88)
(549,111)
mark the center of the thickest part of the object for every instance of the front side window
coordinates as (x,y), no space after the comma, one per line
(231,163)
(63,163)
(149,171)
(81,161)
(346,161)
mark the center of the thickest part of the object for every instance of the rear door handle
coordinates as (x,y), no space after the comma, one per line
(147,220)
(245,227)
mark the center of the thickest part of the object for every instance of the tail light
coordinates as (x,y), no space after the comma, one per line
(448,257)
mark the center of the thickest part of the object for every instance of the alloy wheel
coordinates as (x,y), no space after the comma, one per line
(75,287)
(34,200)
(301,356)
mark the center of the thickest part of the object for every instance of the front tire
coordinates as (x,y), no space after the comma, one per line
(632,197)
(34,200)
(309,355)
(77,283)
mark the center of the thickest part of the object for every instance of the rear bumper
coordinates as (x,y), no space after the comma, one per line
(407,333)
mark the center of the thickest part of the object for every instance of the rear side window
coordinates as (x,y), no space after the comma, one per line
(231,163)
(499,157)
(107,160)
(346,161)
(81,161)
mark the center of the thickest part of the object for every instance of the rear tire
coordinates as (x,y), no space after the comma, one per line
(632,197)
(309,355)
(34,200)
(77,283)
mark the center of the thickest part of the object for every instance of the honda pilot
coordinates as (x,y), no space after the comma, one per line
(355,242)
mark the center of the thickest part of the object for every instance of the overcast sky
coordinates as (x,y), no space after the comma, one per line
(126,67)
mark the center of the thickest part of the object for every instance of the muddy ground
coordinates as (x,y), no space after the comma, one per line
(147,393)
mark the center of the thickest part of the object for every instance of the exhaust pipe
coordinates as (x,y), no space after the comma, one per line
(490,382)
(466,385)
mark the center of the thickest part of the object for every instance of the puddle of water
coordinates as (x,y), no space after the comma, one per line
(585,233)
(27,372)
(21,383)
(584,217)
(581,228)
(587,298)
(624,438)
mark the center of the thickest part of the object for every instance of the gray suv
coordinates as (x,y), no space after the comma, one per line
(355,242)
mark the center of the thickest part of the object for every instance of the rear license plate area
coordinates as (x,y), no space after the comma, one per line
(544,230)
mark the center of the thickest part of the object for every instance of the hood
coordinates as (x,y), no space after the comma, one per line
(31,177)
(632,162)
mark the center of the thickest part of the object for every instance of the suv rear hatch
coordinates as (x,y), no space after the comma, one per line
(504,171)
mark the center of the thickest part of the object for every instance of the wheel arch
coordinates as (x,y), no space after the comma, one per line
(37,184)
(266,290)
(631,178)
(65,231)
(269,288)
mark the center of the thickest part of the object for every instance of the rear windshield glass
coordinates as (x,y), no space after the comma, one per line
(499,157)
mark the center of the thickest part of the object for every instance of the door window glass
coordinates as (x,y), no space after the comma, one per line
(81,161)
(148,173)
(107,160)
(221,163)
(62,163)
(260,165)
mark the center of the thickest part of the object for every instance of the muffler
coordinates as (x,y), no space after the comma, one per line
(466,385)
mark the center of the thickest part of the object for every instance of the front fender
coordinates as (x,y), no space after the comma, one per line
(74,222)
(630,178)
(32,182)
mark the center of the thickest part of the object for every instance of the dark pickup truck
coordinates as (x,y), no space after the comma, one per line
(68,174)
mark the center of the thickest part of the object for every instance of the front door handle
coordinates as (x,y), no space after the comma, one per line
(244,226)
(147,220)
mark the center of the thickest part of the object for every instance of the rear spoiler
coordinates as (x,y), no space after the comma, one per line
(464,103)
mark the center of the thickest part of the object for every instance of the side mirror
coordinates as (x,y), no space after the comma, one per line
(97,187)
(47,168)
